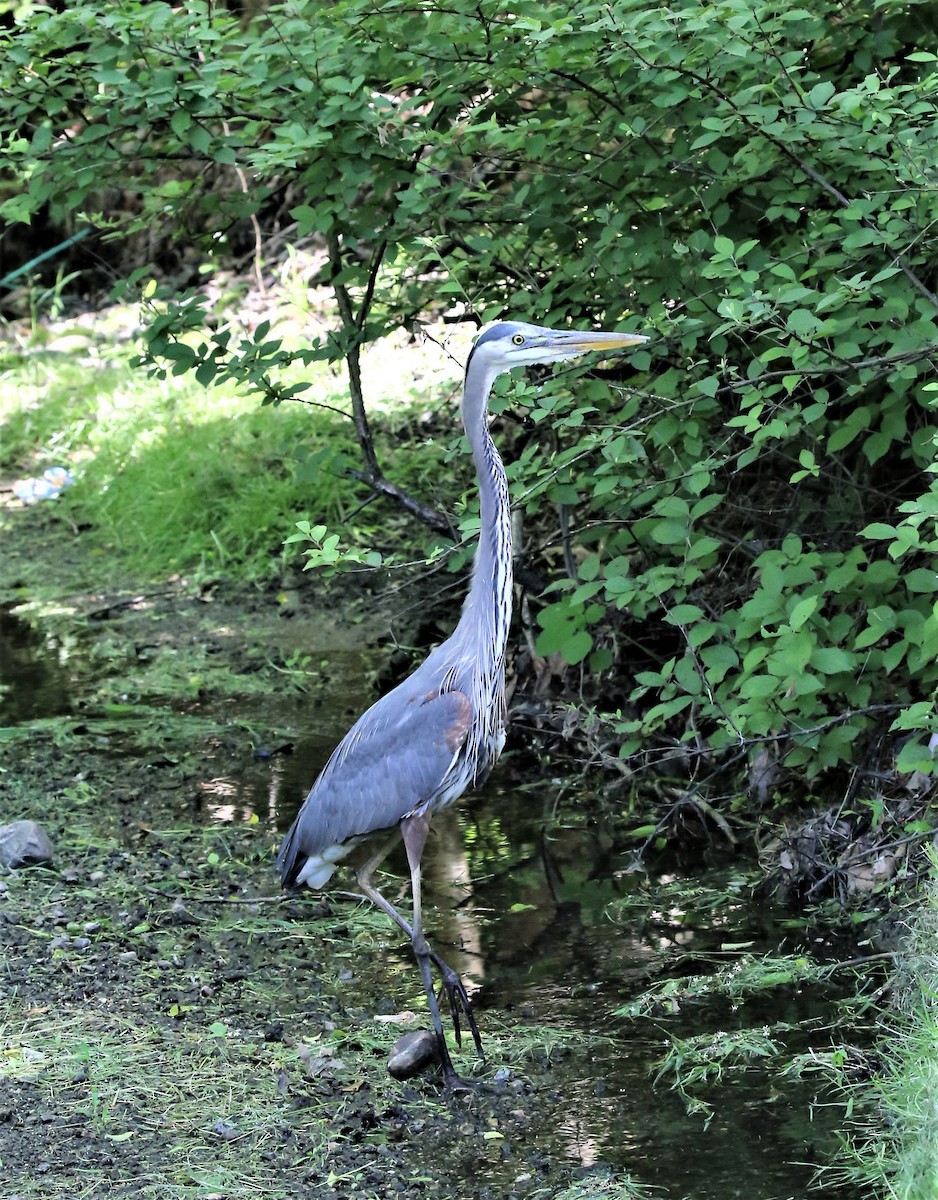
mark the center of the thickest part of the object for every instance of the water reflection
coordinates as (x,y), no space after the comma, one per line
(33,679)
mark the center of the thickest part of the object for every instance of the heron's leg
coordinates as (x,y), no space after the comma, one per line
(451,981)
(414,831)
(415,836)
(417,940)
(365,879)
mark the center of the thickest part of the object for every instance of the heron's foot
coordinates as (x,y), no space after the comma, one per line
(455,1083)
(452,1080)
(459,1006)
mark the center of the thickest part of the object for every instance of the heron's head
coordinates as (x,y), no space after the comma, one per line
(507,344)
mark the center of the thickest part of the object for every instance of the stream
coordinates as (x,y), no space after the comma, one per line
(532,894)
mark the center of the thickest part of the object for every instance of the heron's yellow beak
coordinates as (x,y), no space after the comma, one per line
(581,342)
(555,345)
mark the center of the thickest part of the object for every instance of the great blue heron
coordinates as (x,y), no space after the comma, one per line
(439,732)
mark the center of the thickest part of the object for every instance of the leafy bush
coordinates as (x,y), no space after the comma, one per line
(750,503)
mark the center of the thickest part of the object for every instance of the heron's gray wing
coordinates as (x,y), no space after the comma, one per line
(393,761)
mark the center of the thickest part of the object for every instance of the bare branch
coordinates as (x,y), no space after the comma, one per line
(353,324)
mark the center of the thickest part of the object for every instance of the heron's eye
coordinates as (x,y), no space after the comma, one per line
(518,339)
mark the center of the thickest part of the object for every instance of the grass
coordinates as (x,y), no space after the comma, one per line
(740,976)
(172,476)
(606,1186)
(895,1154)
(205,1093)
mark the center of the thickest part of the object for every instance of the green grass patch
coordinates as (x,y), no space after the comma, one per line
(895,1154)
(186,1104)
(172,476)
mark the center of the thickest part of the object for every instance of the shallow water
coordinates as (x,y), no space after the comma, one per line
(560,931)
(555,925)
(34,671)
(526,908)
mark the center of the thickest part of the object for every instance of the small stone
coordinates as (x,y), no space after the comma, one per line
(24,843)
(412,1053)
(180,915)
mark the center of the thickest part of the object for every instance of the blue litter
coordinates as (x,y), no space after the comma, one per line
(47,486)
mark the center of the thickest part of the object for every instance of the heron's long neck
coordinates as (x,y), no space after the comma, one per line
(488,604)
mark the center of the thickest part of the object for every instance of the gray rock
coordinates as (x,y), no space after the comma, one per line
(412,1053)
(24,844)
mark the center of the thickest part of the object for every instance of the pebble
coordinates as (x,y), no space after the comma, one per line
(412,1053)
(24,843)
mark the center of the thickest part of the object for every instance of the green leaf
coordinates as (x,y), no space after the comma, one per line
(915,717)
(684,614)
(880,620)
(921,580)
(723,246)
(642,831)
(914,756)
(577,646)
(803,611)
(803,322)
(718,660)
(821,93)
(878,530)
(669,532)
(589,568)
(830,660)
